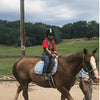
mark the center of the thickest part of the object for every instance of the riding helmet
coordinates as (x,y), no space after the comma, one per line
(49,31)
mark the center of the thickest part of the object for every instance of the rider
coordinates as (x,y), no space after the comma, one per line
(49,47)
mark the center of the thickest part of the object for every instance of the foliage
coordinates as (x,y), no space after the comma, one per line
(35,33)
(93,29)
(9,32)
(80,29)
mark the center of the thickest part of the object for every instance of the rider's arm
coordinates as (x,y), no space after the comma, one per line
(49,52)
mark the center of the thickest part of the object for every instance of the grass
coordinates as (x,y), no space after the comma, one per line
(66,47)
(6,65)
(72,46)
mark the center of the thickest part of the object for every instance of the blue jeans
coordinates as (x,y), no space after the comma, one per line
(46,64)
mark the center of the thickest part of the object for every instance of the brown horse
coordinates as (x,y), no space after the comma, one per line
(68,67)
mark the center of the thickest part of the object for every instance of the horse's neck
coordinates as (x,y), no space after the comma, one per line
(75,63)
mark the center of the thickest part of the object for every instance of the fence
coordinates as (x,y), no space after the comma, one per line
(6,56)
(6,64)
(7,61)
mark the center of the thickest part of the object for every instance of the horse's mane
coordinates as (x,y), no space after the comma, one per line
(73,56)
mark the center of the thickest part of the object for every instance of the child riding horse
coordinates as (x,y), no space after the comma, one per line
(68,67)
(49,53)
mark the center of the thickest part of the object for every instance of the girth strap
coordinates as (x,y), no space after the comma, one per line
(51,82)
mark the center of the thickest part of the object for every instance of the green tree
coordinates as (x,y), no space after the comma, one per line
(67,31)
(93,29)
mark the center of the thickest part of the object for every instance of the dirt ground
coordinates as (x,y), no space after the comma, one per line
(8,90)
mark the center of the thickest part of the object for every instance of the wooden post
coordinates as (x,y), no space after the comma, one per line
(22,27)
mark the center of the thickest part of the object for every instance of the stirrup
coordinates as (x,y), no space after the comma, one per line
(45,77)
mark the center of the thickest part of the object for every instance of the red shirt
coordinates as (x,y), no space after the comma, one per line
(45,45)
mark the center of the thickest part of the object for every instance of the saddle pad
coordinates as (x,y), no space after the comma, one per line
(39,67)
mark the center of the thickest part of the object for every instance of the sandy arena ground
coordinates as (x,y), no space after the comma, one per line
(8,90)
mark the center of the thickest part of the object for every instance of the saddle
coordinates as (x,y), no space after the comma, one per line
(52,68)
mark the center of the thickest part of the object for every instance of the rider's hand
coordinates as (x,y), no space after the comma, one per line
(59,54)
(53,55)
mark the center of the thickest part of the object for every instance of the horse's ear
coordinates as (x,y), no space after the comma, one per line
(85,51)
(94,51)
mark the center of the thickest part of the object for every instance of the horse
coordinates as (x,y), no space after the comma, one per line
(68,67)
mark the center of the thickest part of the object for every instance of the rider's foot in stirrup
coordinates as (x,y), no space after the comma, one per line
(45,77)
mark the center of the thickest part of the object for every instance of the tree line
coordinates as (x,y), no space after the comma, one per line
(35,33)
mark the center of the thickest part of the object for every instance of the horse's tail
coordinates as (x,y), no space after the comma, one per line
(14,70)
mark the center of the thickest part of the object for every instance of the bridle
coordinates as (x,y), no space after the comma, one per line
(89,71)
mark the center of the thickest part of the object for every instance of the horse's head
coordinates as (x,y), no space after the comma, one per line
(89,61)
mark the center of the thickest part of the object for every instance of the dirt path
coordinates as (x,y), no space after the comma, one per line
(8,90)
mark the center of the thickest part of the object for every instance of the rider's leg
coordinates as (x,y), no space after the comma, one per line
(46,64)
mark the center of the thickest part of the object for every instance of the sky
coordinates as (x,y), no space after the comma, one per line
(52,12)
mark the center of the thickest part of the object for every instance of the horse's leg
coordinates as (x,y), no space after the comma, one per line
(18,91)
(65,93)
(62,97)
(25,91)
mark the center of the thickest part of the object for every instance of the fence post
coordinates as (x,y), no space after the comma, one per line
(22,27)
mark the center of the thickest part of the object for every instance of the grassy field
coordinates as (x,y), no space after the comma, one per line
(66,47)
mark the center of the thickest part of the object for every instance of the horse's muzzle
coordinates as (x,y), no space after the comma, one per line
(96,79)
